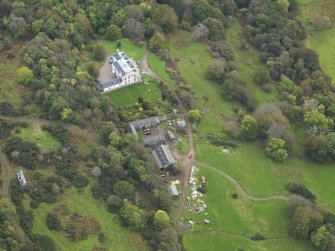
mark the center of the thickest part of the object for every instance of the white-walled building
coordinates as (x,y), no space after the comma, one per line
(124,72)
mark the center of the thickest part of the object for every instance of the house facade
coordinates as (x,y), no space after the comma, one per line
(124,72)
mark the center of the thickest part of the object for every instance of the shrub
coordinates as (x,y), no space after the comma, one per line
(301,190)
(52,222)
(257,237)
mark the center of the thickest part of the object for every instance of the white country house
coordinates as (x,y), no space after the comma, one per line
(124,72)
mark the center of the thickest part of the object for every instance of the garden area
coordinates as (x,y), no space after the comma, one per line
(148,90)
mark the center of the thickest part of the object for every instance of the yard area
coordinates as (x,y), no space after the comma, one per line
(128,96)
(44,140)
(132,49)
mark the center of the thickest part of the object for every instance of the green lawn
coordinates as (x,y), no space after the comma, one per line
(158,66)
(9,88)
(310,9)
(129,95)
(118,237)
(129,47)
(323,42)
(259,175)
(234,221)
(247,62)
(181,48)
(44,140)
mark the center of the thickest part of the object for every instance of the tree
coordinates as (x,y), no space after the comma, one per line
(194,115)
(25,75)
(217,69)
(276,150)
(304,221)
(316,120)
(249,127)
(99,52)
(113,32)
(133,216)
(315,147)
(114,139)
(262,76)
(124,190)
(134,29)
(93,69)
(58,106)
(157,42)
(215,27)
(53,222)
(321,237)
(161,219)
(165,17)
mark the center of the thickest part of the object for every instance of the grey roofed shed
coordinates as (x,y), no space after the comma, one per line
(147,122)
(171,135)
(153,140)
(131,129)
(164,157)
(173,190)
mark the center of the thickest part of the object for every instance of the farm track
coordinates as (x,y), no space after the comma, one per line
(189,159)
(238,186)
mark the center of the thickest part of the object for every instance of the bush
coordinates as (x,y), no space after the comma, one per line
(301,190)
(257,237)
(52,222)
(99,52)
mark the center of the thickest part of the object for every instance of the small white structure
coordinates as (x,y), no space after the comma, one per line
(21,178)
(124,72)
(173,191)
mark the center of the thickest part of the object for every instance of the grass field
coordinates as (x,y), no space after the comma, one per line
(247,62)
(323,42)
(118,237)
(9,88)
(309,9)
(158,66)
(209,92)
(44,140)
(234,221)
(257,173)
(129,47)
(129,95)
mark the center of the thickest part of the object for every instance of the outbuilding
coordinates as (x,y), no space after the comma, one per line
(173,191)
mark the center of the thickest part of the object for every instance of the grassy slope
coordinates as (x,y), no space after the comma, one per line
(44,140)
(247,62)
(233,222)
(158,66)
(248,164)
(118,237)
(322,41)
(9,88)
(182,47)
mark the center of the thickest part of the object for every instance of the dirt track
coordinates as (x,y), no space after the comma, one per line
(189,159)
